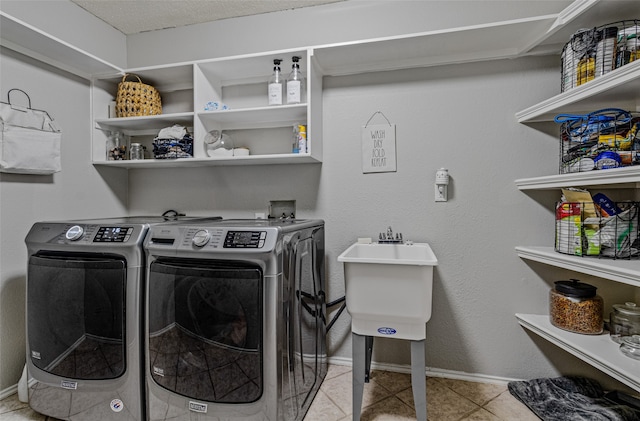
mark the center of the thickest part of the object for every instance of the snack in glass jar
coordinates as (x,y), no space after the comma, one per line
(574,306)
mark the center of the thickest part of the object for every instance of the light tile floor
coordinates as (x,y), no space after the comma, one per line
(387,397)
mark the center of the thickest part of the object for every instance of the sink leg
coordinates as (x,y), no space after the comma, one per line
(369,351)
(418,380)
(358,353)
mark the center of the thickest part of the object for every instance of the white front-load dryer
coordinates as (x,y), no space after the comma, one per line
(235,320)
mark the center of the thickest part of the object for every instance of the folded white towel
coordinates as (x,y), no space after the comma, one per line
(174,132)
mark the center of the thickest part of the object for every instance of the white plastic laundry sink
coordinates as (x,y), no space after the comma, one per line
(389,288)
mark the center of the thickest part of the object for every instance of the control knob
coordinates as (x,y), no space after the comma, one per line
(201,238)
(74,233)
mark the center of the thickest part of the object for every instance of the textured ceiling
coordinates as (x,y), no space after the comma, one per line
(133,16)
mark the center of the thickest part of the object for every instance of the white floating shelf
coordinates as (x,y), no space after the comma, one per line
(495,40)
(33,42)
(260,117)
(619,270)
(155,122)
(210,162)
(620,87)
(597,350)
(625,177)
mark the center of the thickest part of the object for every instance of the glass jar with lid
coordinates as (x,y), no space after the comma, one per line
(574,306)
(624,320)
(137,151)
(630,346)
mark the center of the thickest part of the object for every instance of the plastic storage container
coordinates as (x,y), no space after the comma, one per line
(574,306)
(624,320)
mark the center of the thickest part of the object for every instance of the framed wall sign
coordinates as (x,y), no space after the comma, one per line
(378,146)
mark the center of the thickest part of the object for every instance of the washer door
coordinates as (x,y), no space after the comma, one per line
(75,314)
(205,329)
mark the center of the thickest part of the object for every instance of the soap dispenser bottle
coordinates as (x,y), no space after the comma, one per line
(295,83)
(276,84)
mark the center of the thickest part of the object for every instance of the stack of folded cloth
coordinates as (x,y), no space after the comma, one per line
(173,142)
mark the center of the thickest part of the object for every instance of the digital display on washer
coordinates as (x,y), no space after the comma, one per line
(244,239)
(112,235)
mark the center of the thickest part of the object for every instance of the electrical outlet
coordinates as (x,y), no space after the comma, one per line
(441,193)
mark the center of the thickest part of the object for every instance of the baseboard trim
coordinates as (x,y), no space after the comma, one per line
(8,391)
(430,372)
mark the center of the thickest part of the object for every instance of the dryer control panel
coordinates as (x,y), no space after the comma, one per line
(103,234)
(208,237)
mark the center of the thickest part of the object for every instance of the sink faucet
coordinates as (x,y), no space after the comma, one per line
(388,238)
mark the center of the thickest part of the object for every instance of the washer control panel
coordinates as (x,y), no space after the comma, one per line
(113,234)
(88,234)
(245,239)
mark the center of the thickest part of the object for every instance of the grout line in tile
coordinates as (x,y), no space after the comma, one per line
(462,418)
(485,406)
(347,376)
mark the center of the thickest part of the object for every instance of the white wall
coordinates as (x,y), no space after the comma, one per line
(460,117)
(78,191)
(72,25)
(327,24)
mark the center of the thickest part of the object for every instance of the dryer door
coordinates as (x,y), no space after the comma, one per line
(306,356)
(205,328)
(75,314)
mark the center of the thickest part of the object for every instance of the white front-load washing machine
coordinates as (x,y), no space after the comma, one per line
(84,298)
(235,319)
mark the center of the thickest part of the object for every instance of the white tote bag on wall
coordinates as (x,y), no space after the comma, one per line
(29,139)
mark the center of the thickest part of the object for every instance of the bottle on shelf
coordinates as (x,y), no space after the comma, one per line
(276,84)
(606,50)
(586,70)
(296,132)
(295,83)
(302,139)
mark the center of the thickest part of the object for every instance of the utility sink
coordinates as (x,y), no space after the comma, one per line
(389,288)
